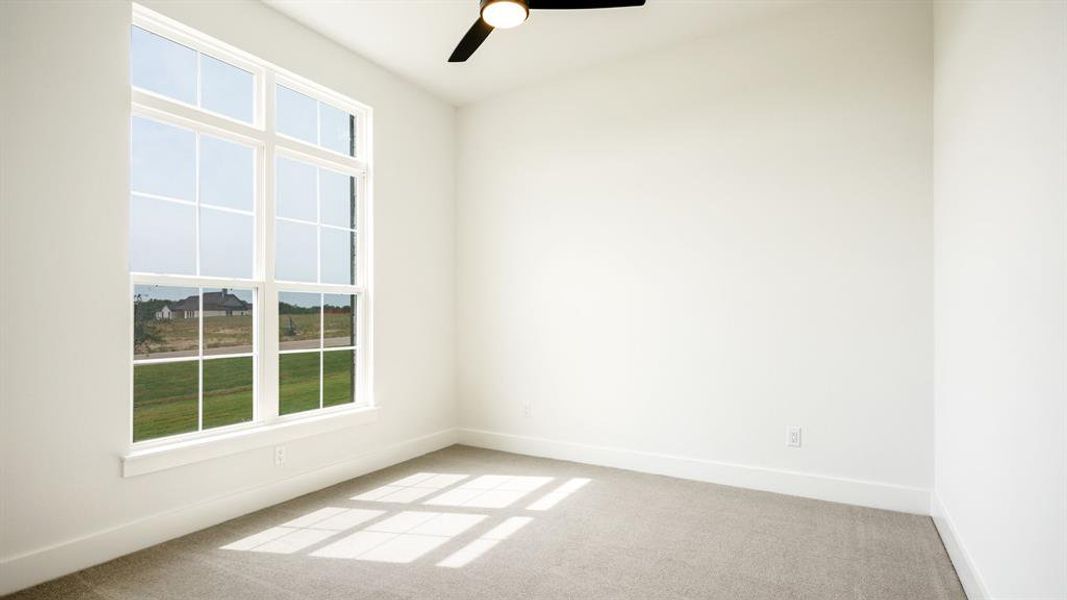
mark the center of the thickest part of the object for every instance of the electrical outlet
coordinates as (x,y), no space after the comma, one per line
(527,409)
(279,456)
(793,437)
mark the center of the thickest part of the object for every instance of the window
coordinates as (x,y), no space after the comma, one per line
(248,239)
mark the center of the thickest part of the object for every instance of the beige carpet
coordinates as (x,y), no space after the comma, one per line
(465,523)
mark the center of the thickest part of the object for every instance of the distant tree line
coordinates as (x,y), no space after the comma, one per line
(285,308)
(291,309)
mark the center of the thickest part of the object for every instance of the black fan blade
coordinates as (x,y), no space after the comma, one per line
(470,42)
(580,4)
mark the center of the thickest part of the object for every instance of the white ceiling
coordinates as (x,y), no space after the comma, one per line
(415,37)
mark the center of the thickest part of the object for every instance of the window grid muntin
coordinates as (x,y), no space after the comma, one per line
(192,203)
(155,25)
(268,145)
(358,216)
(321,96)
(322,349)
(200,285)
(198,131)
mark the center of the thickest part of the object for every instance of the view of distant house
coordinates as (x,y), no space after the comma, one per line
(216,304)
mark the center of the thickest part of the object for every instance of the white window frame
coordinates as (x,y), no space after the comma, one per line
(268,144)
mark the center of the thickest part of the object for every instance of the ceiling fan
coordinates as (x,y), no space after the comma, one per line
(505,14)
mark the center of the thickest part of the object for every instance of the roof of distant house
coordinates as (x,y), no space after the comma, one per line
(212,301)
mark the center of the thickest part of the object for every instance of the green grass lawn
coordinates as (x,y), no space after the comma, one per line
(338,376)
(164,399)
(165,394)
(299,380)
(227,391)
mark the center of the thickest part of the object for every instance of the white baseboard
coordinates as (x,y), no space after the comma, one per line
(809,485)
(966,570)
(47,563)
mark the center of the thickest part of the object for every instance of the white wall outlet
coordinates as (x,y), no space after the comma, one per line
(793,437)
(279,456)
(527,408)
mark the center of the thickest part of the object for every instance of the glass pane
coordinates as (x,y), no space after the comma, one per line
(227,391)
(338,377)
(295,259)
(228,319)
(162,160)
(225,89)
(298,320)
(298,382)
(339,320)
(337,199)
(162,66)
(165,323)
(296,115)
(165,399)
(336,128)
(338,246)
(162,237)
(295,195)
(225,244)
(226,173)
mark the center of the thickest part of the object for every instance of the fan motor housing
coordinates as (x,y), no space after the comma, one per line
(524,4)
(505,14)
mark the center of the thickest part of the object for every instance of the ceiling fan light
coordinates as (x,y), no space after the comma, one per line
(504,14)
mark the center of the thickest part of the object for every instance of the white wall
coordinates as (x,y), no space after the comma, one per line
(685,252)
(64,374)
(668,259)
(1000,187)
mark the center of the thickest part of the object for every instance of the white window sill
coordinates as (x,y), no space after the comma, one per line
(140,461)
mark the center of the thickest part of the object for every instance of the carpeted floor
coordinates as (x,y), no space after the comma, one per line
(466,524)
